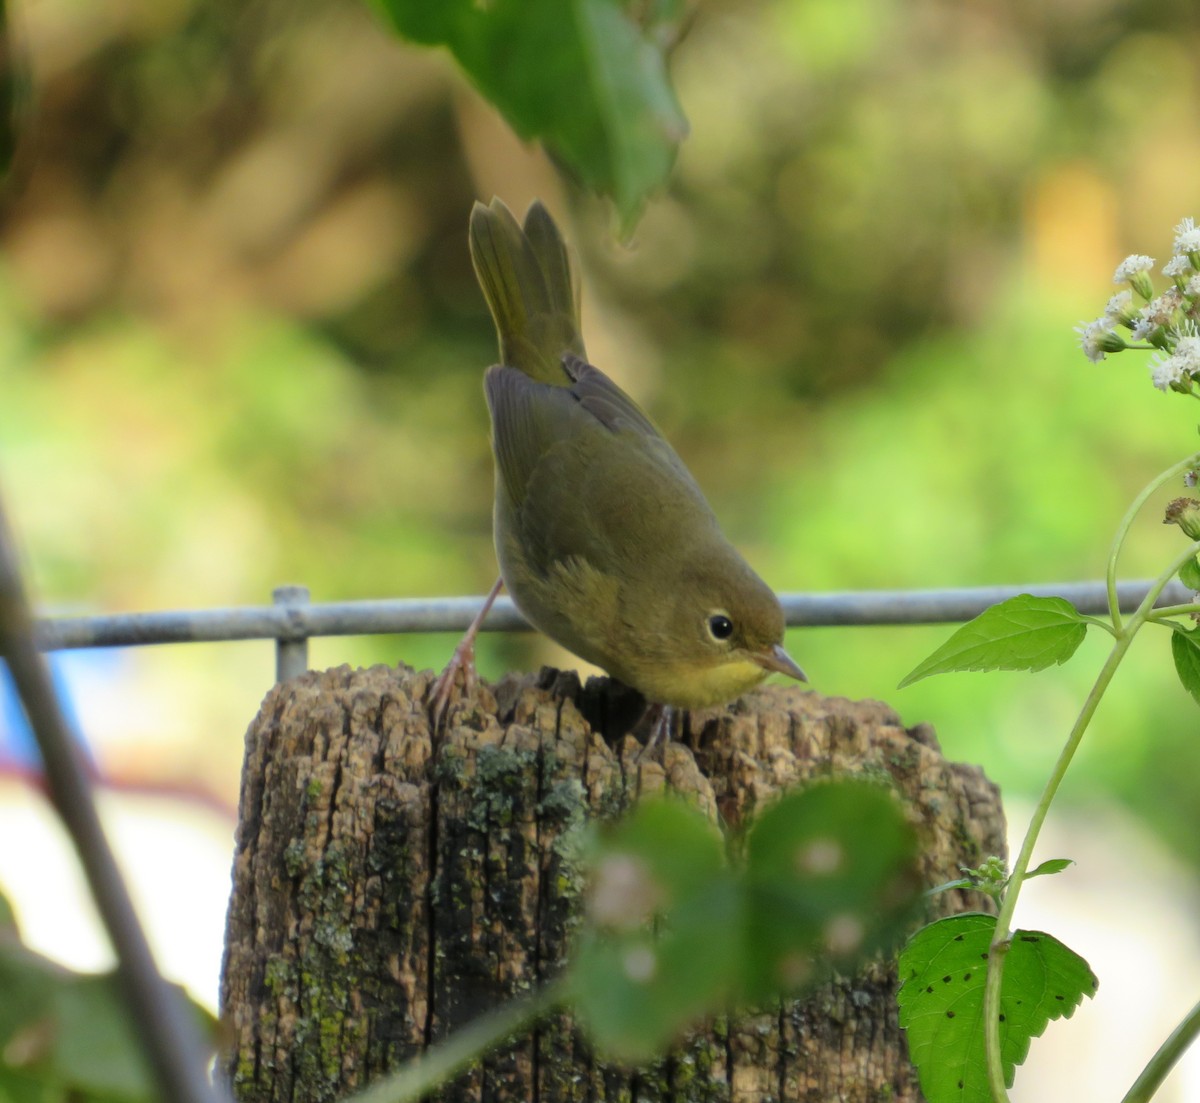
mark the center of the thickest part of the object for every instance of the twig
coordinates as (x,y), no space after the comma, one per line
(172,1043)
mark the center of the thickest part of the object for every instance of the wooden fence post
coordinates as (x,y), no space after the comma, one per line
(384,897)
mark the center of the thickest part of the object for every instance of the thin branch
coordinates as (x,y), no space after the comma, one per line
(161,1019)
(465,1045)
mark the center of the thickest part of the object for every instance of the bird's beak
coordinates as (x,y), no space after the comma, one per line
(778,661)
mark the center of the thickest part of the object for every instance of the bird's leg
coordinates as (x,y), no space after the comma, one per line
(660,730)
(463,660)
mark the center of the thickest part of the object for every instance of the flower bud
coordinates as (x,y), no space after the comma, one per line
(1187,241)
(1097,339)
(1184,512)
(1135,270)
(1179,269)
(1120,309)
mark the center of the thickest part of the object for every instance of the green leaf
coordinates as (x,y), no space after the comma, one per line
(19,1087)
(831,877)
(664,939)
(677,843)
(1050,866)
(1185,648)
(636,991)
(97,1049)
(1189,574)
(1022,633)
(944,967)
(8,919)
(673,933)
(581,76)
(67,1035)
(26,981)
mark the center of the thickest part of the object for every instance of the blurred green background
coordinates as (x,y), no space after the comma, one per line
(241,343)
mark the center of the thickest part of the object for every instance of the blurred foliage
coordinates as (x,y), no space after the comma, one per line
(680,926)
(241,343)
(586,77)
(65,1037)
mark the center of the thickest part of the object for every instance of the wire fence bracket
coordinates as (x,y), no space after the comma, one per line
(291,650)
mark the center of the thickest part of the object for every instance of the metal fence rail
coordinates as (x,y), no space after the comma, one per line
(292,620)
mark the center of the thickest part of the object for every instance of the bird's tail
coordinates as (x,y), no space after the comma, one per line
(526,276)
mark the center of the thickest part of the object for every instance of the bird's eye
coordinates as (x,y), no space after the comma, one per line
(720,627)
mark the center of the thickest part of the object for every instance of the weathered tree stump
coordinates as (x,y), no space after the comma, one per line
(384,896)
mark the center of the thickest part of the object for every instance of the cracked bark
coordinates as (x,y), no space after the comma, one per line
(384,896)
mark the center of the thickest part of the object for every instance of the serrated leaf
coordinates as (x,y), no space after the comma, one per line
(1022,633)
(582,76)
(1189,574)
(1185,649)
(944,971)
(1051,866)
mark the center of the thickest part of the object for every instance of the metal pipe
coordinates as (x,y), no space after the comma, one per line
(295,621)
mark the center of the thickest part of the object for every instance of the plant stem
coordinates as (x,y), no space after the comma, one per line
(1000,940)
(1126,521)
(462,1047)
(1166,612)
(1164,1059)
(161,1022)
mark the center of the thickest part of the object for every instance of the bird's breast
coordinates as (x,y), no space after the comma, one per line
(697,685)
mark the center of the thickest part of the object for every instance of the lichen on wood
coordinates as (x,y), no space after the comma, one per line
(385,895)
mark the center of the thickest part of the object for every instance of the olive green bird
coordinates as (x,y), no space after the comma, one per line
(605,542)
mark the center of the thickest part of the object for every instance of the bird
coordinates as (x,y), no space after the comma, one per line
(605,541)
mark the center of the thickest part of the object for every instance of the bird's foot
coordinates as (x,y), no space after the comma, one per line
(660,731)
(460,668)
(459,679)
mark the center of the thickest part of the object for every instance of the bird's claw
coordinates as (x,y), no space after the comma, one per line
(660,732)
(462,662)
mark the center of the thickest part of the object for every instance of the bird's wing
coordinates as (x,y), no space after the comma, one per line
(604,400)
(587,473)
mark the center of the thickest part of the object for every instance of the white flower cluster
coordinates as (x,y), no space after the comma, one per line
(1167,322)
